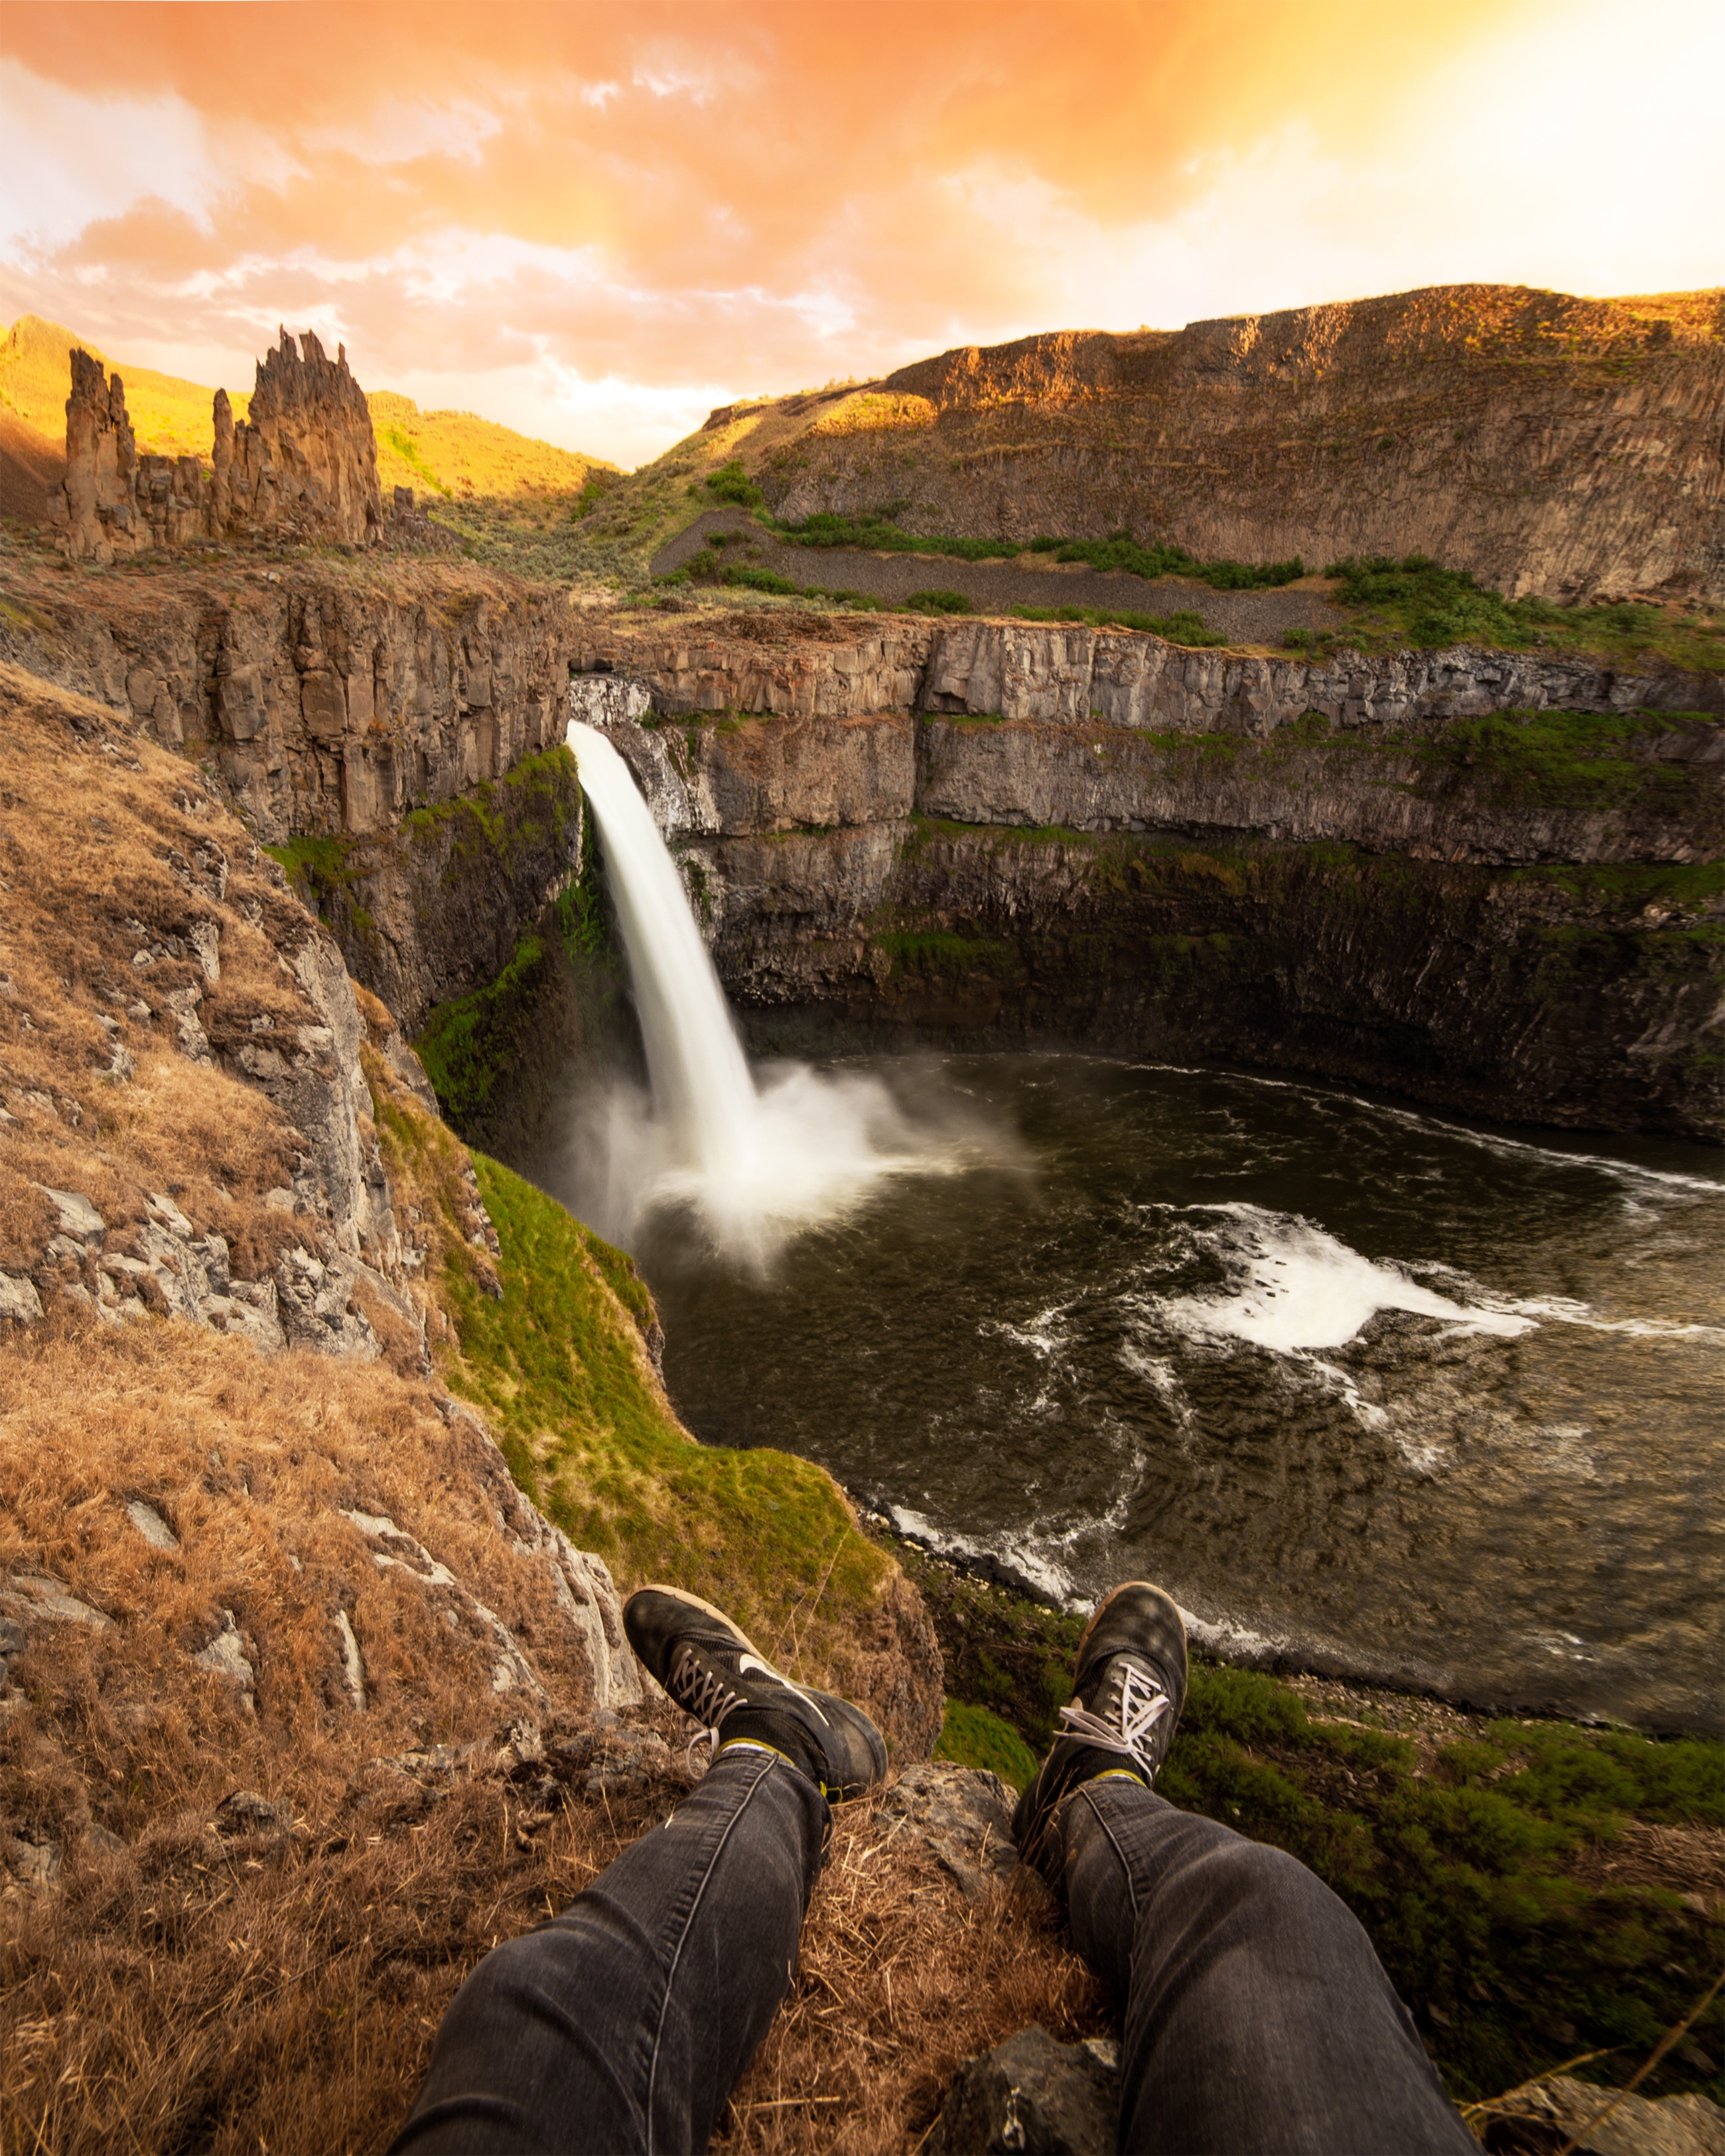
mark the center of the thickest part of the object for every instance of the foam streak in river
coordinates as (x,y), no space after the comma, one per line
(752,1165)
(1292,1286)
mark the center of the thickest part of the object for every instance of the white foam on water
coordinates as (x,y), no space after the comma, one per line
(1488,1141)
(1296,1288)
(1563,1310)
(1034,1563)
(752,1164)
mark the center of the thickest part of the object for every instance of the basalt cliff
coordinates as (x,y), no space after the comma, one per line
(1550,444)
(1485,880)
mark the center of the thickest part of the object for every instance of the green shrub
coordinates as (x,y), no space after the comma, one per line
(731,483)
(937,602)
(1164,559)
(875,532)
(758,580)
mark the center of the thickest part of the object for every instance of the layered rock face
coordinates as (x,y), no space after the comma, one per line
(989,832)
(1551,444)
(360,713)
(304,466)
(1079,838)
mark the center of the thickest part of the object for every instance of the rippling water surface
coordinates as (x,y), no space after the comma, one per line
(1366,1390)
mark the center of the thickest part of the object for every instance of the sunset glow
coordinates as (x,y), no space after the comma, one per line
(595,223)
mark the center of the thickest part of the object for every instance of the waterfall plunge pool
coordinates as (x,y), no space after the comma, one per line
(1372,1394)
(1369,1393)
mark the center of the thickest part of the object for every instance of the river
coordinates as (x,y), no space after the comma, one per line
(1370,1392)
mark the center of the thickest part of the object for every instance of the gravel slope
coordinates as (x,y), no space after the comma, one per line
(995,586)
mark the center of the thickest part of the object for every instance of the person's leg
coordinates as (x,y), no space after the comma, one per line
(624,2024)
(1257,2019)
(622,2027)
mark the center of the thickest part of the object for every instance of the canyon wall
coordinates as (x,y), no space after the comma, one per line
(1551,444)
(304,466)
(980,833)
(983,835)
(389,734)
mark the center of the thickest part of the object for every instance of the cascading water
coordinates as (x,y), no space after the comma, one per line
(701,1081)
(752,1163)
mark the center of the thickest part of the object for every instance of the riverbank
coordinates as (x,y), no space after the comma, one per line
(1536,1890)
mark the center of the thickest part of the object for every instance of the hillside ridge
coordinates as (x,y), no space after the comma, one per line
(447,453)
(1551,444)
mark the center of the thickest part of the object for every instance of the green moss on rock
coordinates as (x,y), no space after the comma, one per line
(467,1045)
(559,1370)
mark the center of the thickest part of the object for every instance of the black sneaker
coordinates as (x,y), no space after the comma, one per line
(716,1674)
(1128,1686)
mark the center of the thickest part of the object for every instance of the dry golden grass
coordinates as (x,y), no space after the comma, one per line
(109,848)
(190,1990)
(169,415)
(234,1994)
(898,1979)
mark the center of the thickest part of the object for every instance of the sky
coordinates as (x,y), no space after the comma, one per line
(595,222)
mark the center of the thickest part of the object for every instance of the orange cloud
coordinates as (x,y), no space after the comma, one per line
(575,216)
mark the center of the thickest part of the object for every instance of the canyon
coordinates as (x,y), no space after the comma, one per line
(335,1440)
(973,833)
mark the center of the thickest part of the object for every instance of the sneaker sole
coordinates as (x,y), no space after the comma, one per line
(731,1624)
(1107,1603)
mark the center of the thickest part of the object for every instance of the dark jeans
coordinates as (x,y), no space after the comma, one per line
(1257,2017)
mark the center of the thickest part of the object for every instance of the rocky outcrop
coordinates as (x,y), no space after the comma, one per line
(963,1817)
(1036,2095)
(1549,444)
(202,970)
(93,509)
(811,668)
(306,460)
(303,466)
(1561,2112)
(1018,672)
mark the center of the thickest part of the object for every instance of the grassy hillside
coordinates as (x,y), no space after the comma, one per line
(170,416)
(447,454)
(457,453)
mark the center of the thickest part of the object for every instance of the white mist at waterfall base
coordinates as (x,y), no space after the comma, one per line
(750,1163)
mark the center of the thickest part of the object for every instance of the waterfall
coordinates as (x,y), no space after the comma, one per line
(701,1086)
(752,1164)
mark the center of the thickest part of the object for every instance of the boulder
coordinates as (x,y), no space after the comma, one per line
(1032,2096)
(1550,2115)
(961,1815)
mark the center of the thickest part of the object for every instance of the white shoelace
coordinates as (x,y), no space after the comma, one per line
(704,1695)
(1143,1705)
